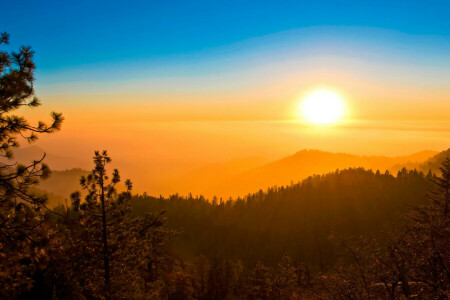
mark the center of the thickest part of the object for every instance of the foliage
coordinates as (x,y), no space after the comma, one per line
(411,262)
(298,219)
(349,234)
(106,244)
(23,234)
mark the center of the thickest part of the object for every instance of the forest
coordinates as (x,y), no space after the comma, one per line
(353,233)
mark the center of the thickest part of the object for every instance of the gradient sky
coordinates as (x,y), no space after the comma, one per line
(74,33)
(155,52)
(182,83)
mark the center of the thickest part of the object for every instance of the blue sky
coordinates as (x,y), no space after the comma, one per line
(190,53)
(75,33)
(122,71)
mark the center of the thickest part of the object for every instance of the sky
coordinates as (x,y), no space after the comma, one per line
(172,85)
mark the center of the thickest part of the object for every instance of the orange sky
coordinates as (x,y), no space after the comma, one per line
(240,100)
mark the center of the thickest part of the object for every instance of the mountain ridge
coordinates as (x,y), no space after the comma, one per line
(296,167)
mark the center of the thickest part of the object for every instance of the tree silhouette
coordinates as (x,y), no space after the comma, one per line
(21,223)
(129,247)
(411,261)
(102,210)
(16,91)
(259,283)
(285,282)
(430,236)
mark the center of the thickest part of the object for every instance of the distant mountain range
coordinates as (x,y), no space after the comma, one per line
(28,154)
(65,176)
(241,176)
(61,184)
(433,164)
(294,168)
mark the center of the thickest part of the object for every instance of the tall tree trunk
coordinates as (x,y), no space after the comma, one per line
(105,243)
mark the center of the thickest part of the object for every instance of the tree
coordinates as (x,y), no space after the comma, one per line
(129,248)
(259,283)
(21,223)
(285,283)
(411,262)
(102,211)
(16,91)
(430,237)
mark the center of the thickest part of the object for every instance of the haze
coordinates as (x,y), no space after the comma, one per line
(225,150)
(166,100)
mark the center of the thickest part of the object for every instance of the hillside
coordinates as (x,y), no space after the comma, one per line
(298,219)
(61,184)
(435,162)
(205,178)
(242,176)
(28,154)
(292,169)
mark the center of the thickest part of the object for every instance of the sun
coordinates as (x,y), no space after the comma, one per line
(322,107)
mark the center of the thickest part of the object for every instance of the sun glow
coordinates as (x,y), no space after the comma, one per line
(322,107)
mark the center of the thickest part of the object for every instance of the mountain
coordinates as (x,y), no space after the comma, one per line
(64,178)
(55,162)
(206,177)
(241,176)
(434,163)
(61,184)
(299,219)
(292,169)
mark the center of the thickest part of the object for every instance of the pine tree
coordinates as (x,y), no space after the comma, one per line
(440,197)
(259,285)
(22,231)
(100,215)
(285,280)
(202,268)
(430,237)
(129,248)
